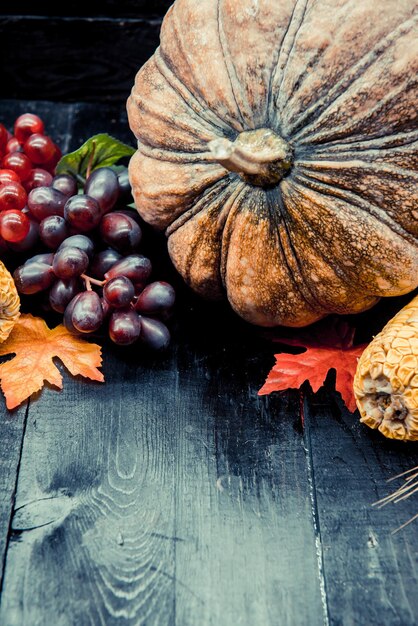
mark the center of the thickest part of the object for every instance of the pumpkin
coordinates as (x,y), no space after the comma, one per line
(277,150)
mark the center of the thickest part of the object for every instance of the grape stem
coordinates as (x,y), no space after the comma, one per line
(89,281)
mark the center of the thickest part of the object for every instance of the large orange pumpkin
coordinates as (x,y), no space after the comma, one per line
(277,149)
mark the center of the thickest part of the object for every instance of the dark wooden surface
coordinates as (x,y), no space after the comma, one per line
(174,495)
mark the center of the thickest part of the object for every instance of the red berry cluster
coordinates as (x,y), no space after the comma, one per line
(28,159)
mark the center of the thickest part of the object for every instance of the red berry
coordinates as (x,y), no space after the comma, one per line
(26,125)
(14,225)
(13,145)
(3,138)
(39,148)
(12,196)
(37,178)
(51,164)
(19,163)
(8,176)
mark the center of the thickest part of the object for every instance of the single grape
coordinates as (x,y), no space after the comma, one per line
(13,145)
(26,125)
(154,333)
(121,232)
(66,184)
(4,136)
(46,201)
(19,163)
(33,277)
(37,178)
(79,241)
(87,315)
(70,263)
(125,190)
(31,239)
(106,308)
(157,297)
(12,196)
(82,212)
(102,185)
(51,164)
(135,267)
(68,315)
(46,258)
(14,225)
(124,327)
(62,292)
(102,262)
(118,292)
(53,230)
(39,148)
(8,176)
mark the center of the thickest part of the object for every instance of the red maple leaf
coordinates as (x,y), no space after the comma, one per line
(331,348)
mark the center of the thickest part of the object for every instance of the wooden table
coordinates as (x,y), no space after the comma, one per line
(174,495)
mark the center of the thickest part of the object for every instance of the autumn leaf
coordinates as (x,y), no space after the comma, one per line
(35,347)
(333,349)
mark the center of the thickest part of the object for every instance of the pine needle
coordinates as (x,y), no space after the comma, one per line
(406,490)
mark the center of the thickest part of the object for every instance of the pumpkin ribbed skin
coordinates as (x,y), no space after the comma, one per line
(337,82)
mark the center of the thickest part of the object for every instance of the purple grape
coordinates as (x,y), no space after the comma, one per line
(79,241)
(102,262)
(33,277)
(44,257)
(68,315)
(135,267)
(125,190)
(66,184)
(70,263)
(87,314)
(46,201)
(118,292)
(62,292)
(154,333)
(53,230)
(121,232)
(124,327)
(82,213)
(103,186)
(157,297)
(30,240)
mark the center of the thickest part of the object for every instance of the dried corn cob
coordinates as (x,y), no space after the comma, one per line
(386,380)
(9,303)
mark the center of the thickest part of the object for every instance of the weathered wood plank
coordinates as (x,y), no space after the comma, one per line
(243,502)
(73,59)
(12,429)
(163,497)
(370,574)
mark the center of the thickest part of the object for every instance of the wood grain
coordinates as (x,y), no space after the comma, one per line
(168,496)
(12,429)
(73,58)
(369,572)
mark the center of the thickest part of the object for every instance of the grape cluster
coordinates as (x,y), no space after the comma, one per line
(27,160)
(88,263)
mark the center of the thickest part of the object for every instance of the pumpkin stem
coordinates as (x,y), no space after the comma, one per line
(259,156)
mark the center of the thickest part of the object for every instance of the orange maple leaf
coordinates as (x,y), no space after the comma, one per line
(314,363)
(35,347)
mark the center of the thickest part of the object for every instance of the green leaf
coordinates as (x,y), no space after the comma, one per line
(99,151)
